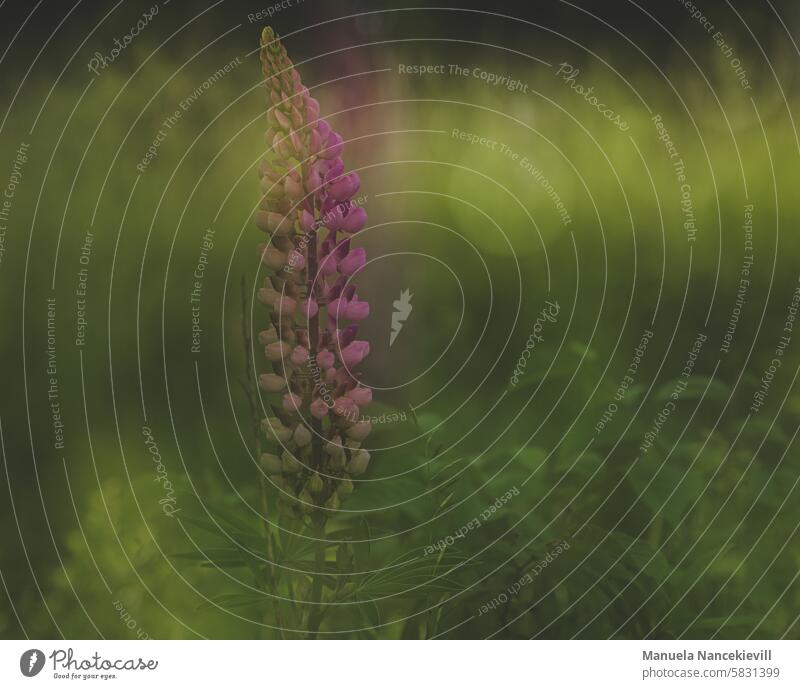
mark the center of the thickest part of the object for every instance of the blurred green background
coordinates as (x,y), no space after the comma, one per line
(697,537)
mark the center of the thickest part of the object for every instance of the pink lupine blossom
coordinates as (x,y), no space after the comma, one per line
(353,262)
(354,353)
(308,215)
(319,409)
(356,310)
(360,395)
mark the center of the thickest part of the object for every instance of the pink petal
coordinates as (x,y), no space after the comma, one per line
(354,353)
(355,220)
(360,395)
(356,310)
(353,262)
(319,409)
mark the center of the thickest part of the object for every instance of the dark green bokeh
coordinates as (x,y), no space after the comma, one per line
(696,538)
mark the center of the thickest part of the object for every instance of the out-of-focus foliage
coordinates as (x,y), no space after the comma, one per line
(696,538)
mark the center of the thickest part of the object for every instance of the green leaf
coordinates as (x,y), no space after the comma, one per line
(236,600)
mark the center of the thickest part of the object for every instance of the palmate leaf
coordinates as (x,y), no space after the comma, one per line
(415,577)
(221,557)
(361,545)
(254,543)
(243,545)
(299,550)
(371,613)
(232,516)
(252,600)
(223,521)
(446,473)
(605,587)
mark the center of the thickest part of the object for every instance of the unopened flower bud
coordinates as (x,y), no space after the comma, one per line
(312,109)
(309,308)
(281,119)
(334,446)
(296,260)
(319,409)
(271,464)
(314,142)
(273,191)
(307,502)
(325,358)
(330,376)
(271,382)
(292,402)
(278,481)
(293,188)
(269,336)
(344,488)
(344,406)
(273,223)
(302,436)
(290,464)
(273,428)
(299,355)
(358,463)
(333,502)
(306,221)
(333,146)
(278,351)
(297,118)
(338,462)
(297,144)
(281,145)
(360,395)
(359,431)
(268,296)
(314,180)
(271,257)
(315,484)
(286,306)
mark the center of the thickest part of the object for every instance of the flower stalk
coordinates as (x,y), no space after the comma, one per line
(309,218)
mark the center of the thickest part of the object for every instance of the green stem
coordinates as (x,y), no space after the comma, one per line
(269,583)
(315,616)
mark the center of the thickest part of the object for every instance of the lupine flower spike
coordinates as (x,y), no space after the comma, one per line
(309,218)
